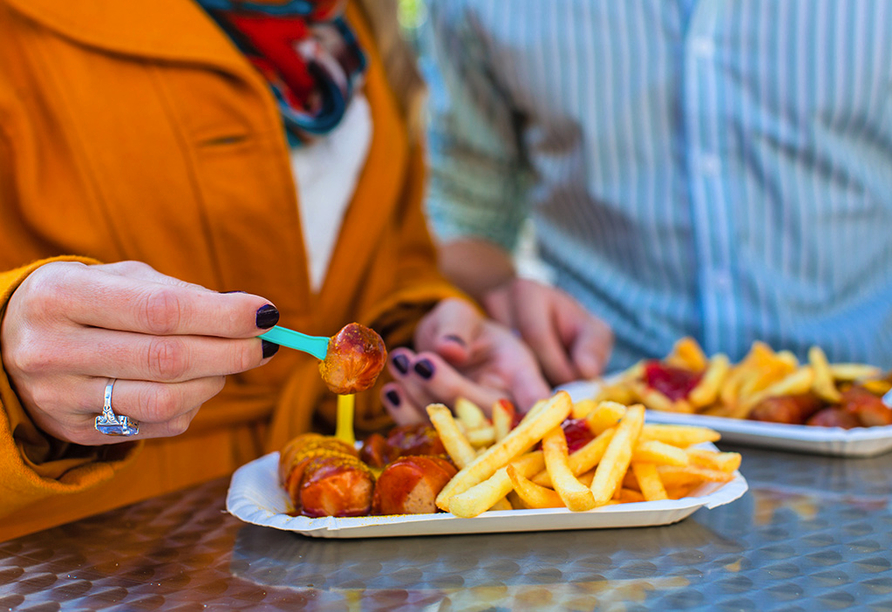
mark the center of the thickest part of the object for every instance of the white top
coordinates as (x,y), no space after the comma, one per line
(326,172)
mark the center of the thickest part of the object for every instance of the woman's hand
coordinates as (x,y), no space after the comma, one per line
(570,342)
(70,328)
(460,353)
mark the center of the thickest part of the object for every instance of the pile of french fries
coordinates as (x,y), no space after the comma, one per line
(628,460)
(734,390)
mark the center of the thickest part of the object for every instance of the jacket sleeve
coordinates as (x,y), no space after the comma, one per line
(34,466)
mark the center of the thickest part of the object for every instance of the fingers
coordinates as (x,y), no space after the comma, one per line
(499,305)
(428,379)
(125,355)
(162,410)
(569,342)
(133,297)
(553,358)
(591,349)
(402,411)
(450,329)
(538,326)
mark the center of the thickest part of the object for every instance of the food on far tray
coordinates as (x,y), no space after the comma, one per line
(560,454)
(355,357)
(767,385)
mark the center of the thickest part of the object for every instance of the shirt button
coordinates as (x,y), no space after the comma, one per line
(703,47)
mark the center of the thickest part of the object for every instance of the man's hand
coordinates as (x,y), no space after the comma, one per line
(460,353)
(570,343)
(70,328)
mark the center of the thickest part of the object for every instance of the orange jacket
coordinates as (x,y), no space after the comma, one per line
(136,130)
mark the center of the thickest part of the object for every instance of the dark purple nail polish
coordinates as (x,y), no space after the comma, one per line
(401,363)
(425,369)
(269,348)
(455,339)
(393,397)
(267,316)
(228,292)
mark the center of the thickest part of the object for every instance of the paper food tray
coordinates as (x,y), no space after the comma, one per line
(256,497)
(833,441)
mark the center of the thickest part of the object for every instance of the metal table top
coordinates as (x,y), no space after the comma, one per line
(812,533)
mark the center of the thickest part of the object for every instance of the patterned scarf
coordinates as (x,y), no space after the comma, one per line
(306,51)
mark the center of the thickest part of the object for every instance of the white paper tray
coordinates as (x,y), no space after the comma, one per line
(833,441)
(256,497)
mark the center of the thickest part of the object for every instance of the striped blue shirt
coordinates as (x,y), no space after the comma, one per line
(713,168)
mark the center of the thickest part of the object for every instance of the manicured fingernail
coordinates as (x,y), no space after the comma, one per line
(401,363)
(425,369)
(269,348)
(393,397)
(225,292)
(267,316)
(455,339)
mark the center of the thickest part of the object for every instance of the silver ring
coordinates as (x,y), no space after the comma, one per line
(110,423)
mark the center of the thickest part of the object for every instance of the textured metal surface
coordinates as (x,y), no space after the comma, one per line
(812,533)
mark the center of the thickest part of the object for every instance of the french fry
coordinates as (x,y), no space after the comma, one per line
(730,389)
(746,377)
(583,459)
(582,408)
(788,358)
(679,492)
(851,372)
(823,384)
(521,439)
(533,495)
(652,451)
(620,392)
(618,455)
(481,436)
(604,416)
(714,460)
(454,441)
(797,382)
(536,409)
(576,496)
(628,461)
(629,496)
(469,414)
(657,400)
(678,478)
(719,410)
(457,446)
(484,495)
(649,481)
(696,473)
(688,355)
(587,477)
(679,435)
(707,390)
(877,386)
(502,418)
(514,500)
(630,482)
